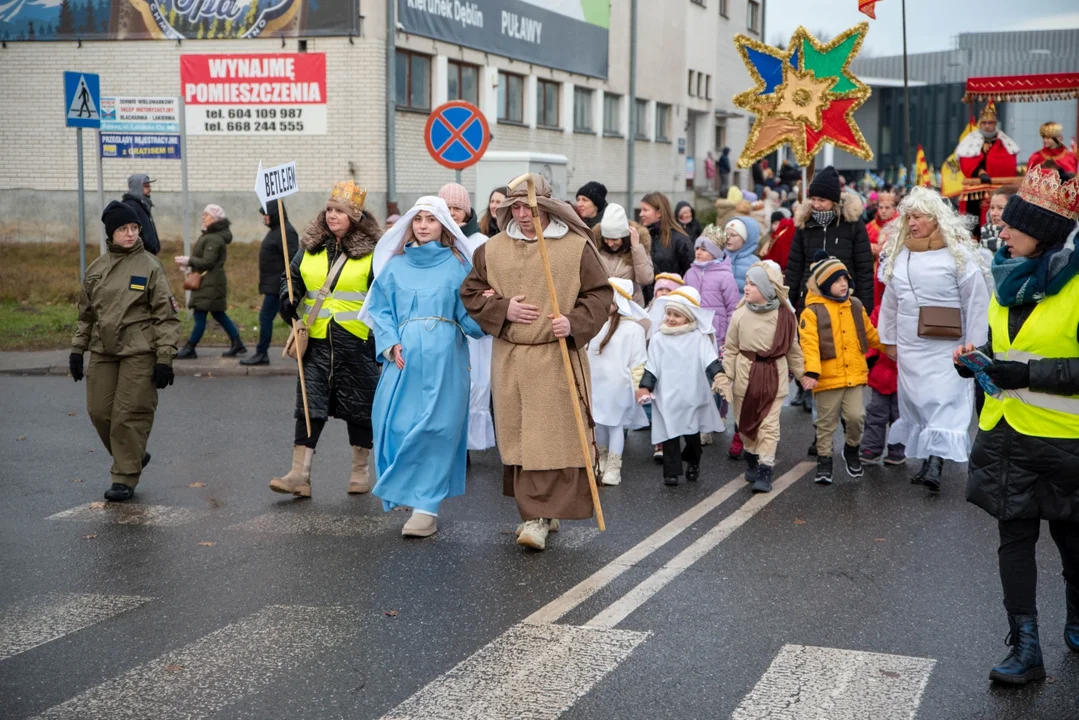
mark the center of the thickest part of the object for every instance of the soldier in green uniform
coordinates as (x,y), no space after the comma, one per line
(128,321)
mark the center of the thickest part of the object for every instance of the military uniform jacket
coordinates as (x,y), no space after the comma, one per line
(126,307)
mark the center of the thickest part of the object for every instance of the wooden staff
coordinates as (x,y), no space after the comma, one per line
(527,178)
(288,277)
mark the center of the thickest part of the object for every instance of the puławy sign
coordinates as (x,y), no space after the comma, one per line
(140,147)
(175,19)
(568,35)
(269,94)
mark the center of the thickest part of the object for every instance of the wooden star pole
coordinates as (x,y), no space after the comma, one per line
(581,434)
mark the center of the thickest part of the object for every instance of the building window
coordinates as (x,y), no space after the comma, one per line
(698,2)
(723,8)
(692,85)
(612,124)
(707,87)
(641,110)
(663,121)
(413,80)
(700,85)
(511,97)
(753,16)
(463,82)
(547,103)
(582,109)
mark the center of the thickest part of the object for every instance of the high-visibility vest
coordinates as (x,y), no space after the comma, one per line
(347,298)
(1049,332)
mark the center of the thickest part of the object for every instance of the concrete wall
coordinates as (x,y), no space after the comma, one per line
(37,188)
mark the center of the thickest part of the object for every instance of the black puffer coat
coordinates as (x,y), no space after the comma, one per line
(341,371)
(845,238)
(675,258)
(1013,476)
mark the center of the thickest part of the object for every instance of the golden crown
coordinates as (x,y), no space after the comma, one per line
(1042,187)
(349,193)
(989,112)
(1052,130)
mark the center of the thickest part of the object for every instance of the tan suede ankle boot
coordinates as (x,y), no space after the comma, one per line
(360,481)
(298,480)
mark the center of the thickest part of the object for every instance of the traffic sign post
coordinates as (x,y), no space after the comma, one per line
(273,184)
(82,109)
(457,135)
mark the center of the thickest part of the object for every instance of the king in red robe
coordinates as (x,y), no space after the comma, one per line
(1053,149)
(987,150)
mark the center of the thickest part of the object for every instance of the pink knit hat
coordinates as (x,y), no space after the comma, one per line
(456,196)
(668,281)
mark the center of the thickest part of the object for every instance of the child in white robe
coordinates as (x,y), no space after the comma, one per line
(617,357)
(682,363)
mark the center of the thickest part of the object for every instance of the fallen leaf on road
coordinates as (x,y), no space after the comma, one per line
(799,522)
(889,673)
(20,438)
(207,543)
(878,539)
(173,668)
(76,480)
(197,485)
(1051,679)
(91,536)
(72,414)
(98,505)
(390,613)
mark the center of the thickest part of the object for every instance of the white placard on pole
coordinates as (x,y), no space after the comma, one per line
(275,182)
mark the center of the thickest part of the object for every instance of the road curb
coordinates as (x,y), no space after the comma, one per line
(179,369)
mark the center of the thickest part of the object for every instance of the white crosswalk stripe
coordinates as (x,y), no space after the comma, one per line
(809,683)
(44,618)
(131,514)
(530,671)
(452,531)
(217,671)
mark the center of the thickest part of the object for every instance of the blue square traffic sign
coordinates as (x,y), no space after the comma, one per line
(82,99)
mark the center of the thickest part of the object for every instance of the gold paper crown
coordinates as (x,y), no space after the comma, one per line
(989,112)
(349,193)
(1042,187)
(1052,130)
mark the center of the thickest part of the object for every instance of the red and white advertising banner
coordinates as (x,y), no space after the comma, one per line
(254,94)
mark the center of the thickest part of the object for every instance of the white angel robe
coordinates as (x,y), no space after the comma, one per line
(683,403)
(614,401)
(481,426)
(935,404)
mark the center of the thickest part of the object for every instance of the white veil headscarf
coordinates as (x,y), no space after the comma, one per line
(689,299)
(393,239)
(623,299)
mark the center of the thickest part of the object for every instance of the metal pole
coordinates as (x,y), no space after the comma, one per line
(457,176)
(100,191)
(391,104)
(906,98)
(82,207)
(632,140)
(185,198)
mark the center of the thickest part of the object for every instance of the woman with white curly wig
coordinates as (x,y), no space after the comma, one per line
(935,296)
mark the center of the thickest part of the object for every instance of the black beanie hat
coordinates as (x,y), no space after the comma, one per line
(596,192)
(116,215)
(1048,228)
(778,216)
(825,184)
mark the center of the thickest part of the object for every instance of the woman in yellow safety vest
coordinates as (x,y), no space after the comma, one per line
(339,366)
(1024,467)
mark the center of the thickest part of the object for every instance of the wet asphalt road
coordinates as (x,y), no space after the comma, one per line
(873,565)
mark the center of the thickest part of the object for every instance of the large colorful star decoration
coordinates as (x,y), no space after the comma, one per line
(804,96)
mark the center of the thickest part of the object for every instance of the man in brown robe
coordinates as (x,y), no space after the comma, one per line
(506,293)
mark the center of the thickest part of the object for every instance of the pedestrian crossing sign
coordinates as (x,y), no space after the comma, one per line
(82,99)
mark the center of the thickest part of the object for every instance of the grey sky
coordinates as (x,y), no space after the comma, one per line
(931,24)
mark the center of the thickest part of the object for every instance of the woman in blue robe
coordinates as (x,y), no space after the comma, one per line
(420,413)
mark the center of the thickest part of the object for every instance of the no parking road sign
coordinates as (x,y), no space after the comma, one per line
(457,134)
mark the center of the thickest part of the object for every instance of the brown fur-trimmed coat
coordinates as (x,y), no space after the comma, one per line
(629,263)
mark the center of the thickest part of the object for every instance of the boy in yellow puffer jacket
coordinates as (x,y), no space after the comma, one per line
(835,332)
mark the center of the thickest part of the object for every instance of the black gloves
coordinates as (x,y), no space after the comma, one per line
(1009,375)
(74,366)
(163,375)
(288,311)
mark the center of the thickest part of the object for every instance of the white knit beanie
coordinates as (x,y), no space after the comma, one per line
(738,227)
(614,223)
